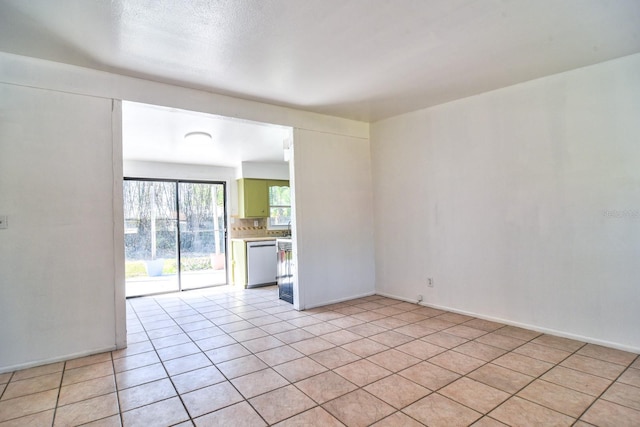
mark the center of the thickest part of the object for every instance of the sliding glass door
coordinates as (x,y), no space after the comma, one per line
(175,235)
(150,237)
(202,234)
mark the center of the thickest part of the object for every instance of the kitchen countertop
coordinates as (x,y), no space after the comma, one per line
(253,239)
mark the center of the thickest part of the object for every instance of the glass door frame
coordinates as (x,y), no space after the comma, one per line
(225,239)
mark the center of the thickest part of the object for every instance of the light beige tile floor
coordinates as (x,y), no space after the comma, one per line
(228,357)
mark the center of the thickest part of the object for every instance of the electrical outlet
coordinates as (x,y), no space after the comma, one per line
(420,298)
(3,222)
(256,223)
(430,282)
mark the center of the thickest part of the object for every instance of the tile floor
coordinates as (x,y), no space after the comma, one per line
(226,357)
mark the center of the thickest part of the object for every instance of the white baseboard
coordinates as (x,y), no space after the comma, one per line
(336,301)
(536,328)
(35,363)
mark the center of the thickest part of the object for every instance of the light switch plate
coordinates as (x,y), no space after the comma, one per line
(3,222)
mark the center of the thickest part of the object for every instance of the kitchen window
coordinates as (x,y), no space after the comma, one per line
(279,206)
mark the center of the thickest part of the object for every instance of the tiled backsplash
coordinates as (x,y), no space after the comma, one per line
(245,228)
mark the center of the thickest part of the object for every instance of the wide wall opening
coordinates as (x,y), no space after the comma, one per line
(182,207)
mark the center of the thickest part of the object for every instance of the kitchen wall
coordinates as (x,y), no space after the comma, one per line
(61,260)
(522,204)
(264,170)
(246,227)
(141,169)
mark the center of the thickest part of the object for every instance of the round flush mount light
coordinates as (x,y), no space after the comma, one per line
(197,137)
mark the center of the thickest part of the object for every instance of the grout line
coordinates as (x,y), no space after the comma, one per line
(115,383)
(11,375)
(55,408)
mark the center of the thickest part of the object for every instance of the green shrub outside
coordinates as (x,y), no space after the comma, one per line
(138,269)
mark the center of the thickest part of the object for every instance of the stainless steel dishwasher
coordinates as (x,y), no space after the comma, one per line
(285,270)
(261,263)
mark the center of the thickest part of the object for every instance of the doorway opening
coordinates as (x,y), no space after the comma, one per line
(175,235)
(159,155)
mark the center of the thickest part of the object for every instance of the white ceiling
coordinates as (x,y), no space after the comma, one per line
(360,59)
(153,133)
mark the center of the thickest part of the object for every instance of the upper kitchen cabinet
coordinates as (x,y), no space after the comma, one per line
(253,196)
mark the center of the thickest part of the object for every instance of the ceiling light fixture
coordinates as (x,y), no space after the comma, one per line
(198,137)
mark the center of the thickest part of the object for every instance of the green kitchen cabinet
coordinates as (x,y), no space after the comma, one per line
(239,263)
(253,196)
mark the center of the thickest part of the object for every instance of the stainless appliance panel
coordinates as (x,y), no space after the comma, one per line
(285,270)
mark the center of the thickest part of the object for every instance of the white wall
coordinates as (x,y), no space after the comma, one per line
(140,169)
(57,294)
(523,204)
(60,308)
(34,72)
(264,170)
(334,217)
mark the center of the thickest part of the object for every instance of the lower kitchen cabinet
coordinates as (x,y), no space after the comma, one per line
(239,263)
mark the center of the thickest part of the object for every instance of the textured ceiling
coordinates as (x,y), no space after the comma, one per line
(359,59)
